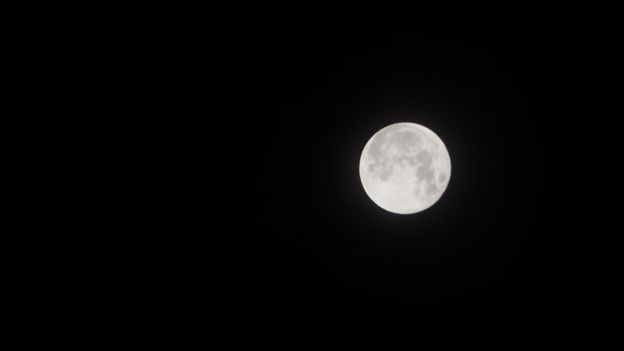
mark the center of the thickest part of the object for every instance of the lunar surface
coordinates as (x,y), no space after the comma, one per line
(405,168)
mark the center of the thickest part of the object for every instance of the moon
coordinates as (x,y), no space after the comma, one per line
(405,168)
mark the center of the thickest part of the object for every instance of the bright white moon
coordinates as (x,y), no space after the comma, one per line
(405,168)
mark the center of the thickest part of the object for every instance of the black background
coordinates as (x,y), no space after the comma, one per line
(221,154)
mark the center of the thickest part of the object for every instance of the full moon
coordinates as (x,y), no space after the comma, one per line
(405,168)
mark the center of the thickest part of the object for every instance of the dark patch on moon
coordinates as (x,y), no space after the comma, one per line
(432,189)
(442,177)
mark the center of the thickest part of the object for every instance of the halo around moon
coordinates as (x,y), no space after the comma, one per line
(405,168)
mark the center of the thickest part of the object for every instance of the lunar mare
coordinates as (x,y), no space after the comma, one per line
(405,168)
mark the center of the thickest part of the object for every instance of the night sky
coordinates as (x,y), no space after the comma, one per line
(222,151)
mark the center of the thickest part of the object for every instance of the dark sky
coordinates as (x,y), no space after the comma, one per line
(225,147)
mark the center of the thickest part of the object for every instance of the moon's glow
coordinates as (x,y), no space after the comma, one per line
(405,168)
